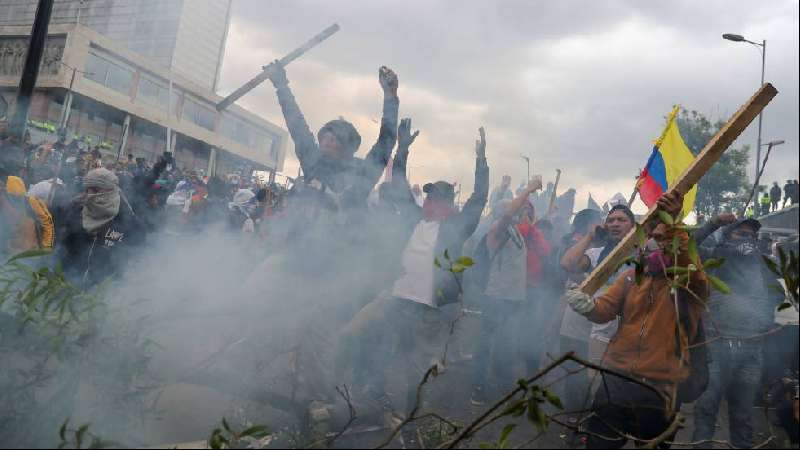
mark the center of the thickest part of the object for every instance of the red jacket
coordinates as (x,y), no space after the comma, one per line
(538,249)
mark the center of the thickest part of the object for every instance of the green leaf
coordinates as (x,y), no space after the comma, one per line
(719,284)
(29,254)
(487,445)
(447,254)
(466,261)
(783,306)
(437,263)
(457,268)
(713,263)
(553,399)
(665,217)
(62,432)
(694,255)
(771,265)
(505,434)
(225,425)
(80,433)
(257,432)
(641,236)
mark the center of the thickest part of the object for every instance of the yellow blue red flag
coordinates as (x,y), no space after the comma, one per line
(669,159)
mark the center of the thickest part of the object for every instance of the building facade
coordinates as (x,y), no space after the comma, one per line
(124,102)
(187,35)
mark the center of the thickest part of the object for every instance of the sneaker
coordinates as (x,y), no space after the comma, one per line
(478,397)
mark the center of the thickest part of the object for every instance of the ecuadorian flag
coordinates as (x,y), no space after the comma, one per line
(670,158)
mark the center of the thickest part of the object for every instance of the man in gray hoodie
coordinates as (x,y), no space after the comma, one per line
(733,321)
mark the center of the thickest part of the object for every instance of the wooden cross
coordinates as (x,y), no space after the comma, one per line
(702,164)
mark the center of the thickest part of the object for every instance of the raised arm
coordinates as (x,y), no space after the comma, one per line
(494,238)
(305,146)
(473,209)
(575,259)
(379,155)
(400,191)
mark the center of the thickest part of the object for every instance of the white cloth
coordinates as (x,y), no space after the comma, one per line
(41,190)
(416,282)
(602,332)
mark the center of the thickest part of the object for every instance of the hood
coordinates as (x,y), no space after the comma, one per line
(726,232)
(16,187)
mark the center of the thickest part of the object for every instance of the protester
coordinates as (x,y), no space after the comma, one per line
(102,231)
(26,221)
(330,167)
(502,192)
(406,319)
(765,204)
(571,329)
(651,321)
(504,296)
(736,358)
(775,196)
(590,251)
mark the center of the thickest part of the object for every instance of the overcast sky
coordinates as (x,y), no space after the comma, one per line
(580,86)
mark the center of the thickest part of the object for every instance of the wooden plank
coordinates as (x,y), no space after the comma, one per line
(264,75)
(702,164)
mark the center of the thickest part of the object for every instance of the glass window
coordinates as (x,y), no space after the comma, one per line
(111,75)
(96,69)
(199,115)
(119,79)
(153,92)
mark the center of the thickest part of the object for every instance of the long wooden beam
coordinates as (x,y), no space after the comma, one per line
(702,164)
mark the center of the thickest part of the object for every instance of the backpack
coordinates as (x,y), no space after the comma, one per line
(693,387)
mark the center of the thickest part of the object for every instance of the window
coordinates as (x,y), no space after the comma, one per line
(153,93)
(109,74)
(198,114)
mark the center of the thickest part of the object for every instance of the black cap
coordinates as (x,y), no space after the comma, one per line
(440,189)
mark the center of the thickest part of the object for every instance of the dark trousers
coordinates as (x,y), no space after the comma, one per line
(629,408)
(498,342)
(734,374)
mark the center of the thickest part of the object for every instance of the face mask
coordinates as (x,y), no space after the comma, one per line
(658,262)
(746,248)
(99,209)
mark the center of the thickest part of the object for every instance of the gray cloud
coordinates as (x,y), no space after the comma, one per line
(580,88)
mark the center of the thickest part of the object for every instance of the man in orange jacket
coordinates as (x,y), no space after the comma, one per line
(26,221)
(652,344)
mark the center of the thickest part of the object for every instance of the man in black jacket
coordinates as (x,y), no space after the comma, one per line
(736,357)
(341,181)
(408,314)
(102,231)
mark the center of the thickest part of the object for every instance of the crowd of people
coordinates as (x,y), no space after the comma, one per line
(95,218)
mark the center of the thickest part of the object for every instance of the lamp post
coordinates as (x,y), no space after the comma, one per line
(763,49)
(769,145)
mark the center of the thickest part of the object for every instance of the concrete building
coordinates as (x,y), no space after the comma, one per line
(122,100)
(194,31)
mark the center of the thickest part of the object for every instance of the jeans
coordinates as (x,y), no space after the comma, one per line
(627,407)
(735,374)
(498,342)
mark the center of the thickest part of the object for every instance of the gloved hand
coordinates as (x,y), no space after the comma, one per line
(578,301)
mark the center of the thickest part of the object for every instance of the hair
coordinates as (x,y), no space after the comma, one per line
(624,208)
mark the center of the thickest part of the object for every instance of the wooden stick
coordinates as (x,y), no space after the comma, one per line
(702,164)
(555,189)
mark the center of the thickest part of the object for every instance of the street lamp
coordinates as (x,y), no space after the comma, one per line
(763,49)
(769,145)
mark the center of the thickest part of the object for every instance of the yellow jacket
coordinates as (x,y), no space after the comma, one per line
(35,229)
